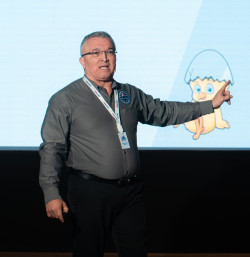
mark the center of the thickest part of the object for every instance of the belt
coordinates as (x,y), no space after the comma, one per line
(87,176)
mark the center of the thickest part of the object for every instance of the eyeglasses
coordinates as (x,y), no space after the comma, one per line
(98,53)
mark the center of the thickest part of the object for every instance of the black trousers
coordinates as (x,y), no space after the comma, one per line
(100,208)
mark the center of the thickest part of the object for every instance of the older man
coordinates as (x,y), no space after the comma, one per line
(91,126)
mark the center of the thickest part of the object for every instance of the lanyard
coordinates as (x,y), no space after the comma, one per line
(116,114)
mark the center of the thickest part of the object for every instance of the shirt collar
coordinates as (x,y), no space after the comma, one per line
(114,84)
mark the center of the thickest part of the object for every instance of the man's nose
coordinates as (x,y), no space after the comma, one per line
(104,56)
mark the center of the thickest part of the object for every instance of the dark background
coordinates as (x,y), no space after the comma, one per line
(197,201)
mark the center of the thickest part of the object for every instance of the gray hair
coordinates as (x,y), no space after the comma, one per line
(101,34)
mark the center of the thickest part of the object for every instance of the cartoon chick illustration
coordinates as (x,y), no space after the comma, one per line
(206,74)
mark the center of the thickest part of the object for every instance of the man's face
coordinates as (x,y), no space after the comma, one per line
(98,68)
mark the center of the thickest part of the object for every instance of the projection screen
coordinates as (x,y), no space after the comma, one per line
(173,50)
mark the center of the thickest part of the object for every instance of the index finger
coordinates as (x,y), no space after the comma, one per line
(60,217)
(226,84)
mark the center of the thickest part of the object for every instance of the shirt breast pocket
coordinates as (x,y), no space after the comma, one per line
(129,118)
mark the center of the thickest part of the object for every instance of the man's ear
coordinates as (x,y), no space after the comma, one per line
(82,62)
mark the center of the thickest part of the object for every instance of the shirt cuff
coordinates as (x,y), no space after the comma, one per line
(50,194)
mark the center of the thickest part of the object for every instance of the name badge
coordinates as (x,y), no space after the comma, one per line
(124,140)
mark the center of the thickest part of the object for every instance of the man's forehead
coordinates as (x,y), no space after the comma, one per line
(99,43)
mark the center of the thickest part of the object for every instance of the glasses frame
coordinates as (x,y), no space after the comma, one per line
(107,53)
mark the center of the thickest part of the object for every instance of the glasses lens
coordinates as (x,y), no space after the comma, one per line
(110,52)
(96,53)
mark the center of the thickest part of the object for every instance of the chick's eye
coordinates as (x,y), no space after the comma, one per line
(197,89)
(209,88)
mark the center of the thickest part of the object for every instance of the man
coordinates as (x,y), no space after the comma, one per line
(91,125)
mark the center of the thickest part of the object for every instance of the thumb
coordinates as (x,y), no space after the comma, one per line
(65,207)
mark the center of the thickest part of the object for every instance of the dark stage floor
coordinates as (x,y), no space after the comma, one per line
(50,254)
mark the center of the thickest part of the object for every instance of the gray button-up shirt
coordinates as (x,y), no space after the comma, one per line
(79,131)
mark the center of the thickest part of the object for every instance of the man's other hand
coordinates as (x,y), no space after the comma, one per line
(54,209)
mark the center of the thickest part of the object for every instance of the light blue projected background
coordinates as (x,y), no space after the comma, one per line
(156,41)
